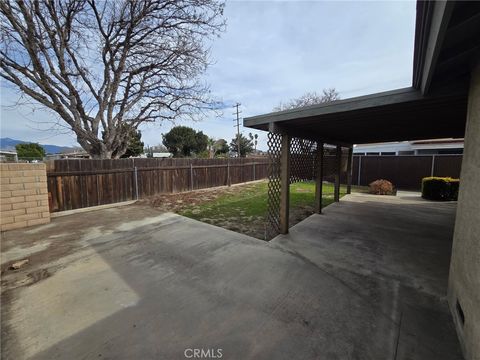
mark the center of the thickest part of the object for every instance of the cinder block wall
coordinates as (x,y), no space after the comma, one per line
(24,196)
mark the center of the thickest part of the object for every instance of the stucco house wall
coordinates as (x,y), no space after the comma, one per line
(464,281)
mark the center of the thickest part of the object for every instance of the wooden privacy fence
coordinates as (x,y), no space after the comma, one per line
(404,171)
(79,183)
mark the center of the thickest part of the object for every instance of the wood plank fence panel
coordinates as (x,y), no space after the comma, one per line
(447,165)
(404,171)
(79,183)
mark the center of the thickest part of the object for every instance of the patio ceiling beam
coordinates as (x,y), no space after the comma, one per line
(307,135)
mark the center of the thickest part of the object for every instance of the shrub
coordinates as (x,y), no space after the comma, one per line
(440,188)
(382,187)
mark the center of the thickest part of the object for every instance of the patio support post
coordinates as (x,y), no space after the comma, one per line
(338,160)
(284,183)
(349,170)
(319,178)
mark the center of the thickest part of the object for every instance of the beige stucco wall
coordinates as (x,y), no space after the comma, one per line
(24,196)
(464,281)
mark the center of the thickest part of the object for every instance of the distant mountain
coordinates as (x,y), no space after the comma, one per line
(9,144)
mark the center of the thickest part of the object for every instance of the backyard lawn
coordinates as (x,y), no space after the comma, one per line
(244,209)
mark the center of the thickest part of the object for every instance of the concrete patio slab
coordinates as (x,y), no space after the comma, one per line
(393,251)
(151,286)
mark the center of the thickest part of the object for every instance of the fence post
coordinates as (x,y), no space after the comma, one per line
(254,171)
(319,178)
(433,166)
(98,190)
(135,172)
(228,172)
(338,160)
(349,170)
(191,176)
(359,168)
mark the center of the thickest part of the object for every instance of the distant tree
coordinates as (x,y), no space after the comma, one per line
(211,147)
(309,98)
(30,151)
(201,141)
(135,144)
(203,155)
(221,147)
(183,141)
(101,64)
(246,145)
(149,151)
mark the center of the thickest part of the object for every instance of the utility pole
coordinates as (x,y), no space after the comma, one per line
(238,126)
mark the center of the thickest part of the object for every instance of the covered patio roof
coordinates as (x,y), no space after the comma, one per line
(447,44)
(397,115)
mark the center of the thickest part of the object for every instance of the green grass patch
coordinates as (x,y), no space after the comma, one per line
(251,200)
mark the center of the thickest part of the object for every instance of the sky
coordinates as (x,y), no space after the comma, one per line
(273,51)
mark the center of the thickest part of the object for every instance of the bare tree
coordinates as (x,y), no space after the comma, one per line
(309,98)
(106,67)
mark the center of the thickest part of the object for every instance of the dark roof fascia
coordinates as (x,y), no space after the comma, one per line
(431,26)
(351,104)
(422,25)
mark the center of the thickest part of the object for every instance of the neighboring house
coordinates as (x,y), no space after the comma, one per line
(419,147)
(162,155)
(70,155)
(8,156)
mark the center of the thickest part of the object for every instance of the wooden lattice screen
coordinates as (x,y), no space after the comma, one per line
(303,155)
(272,226)
(303,159)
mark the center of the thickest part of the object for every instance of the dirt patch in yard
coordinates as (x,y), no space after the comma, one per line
(181,202)
(206,205)
(178,202)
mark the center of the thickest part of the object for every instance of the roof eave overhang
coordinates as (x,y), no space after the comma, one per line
(403,114)
(362,102)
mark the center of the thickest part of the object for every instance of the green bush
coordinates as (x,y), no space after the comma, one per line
(440,188)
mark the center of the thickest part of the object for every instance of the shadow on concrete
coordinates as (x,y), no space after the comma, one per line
(394,251)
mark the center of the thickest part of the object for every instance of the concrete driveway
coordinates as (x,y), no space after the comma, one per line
(129,283)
